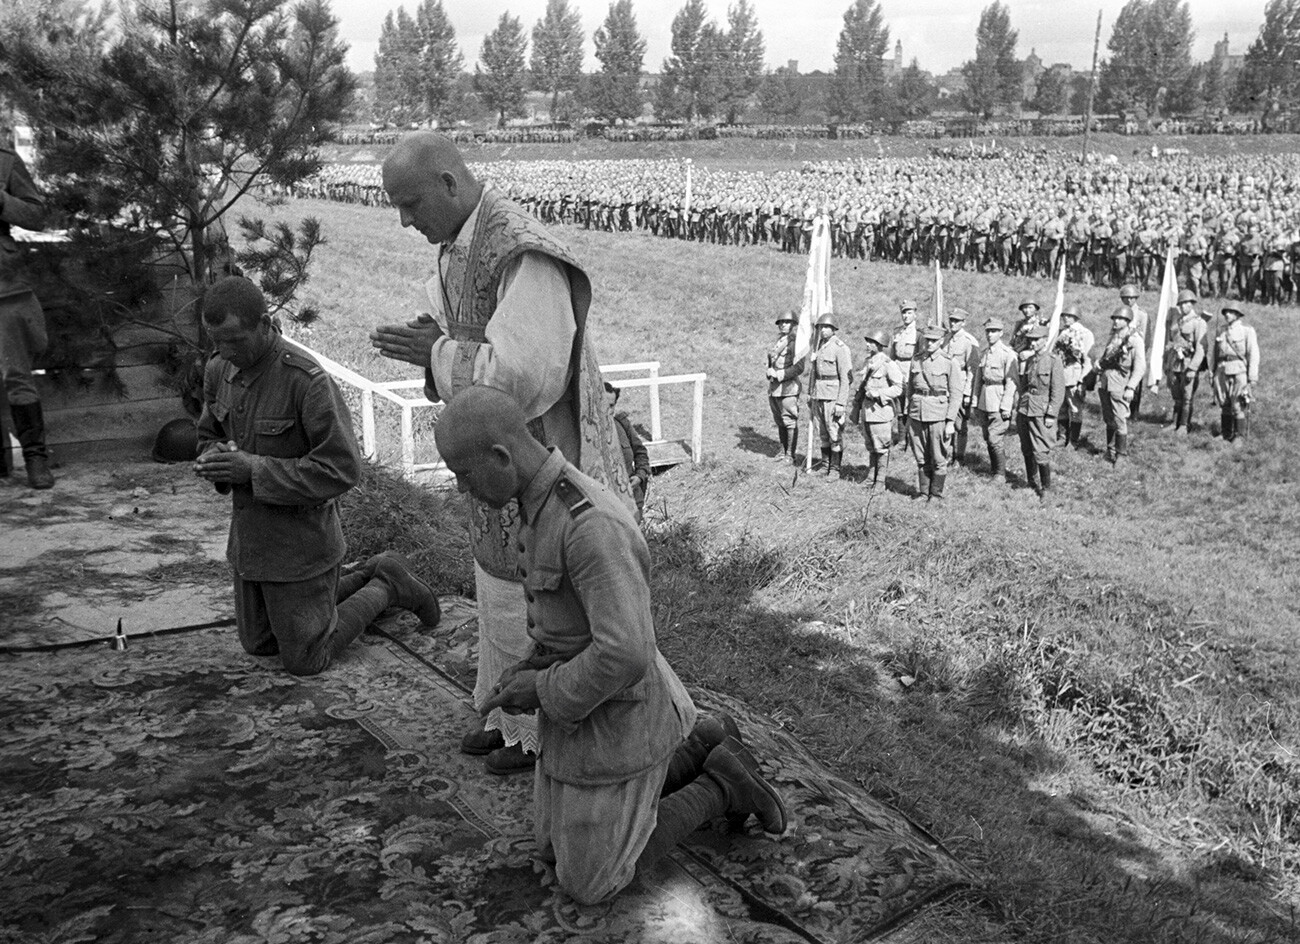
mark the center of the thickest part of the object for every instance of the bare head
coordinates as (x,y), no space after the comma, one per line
(429,184)
(234,313)
(483,438)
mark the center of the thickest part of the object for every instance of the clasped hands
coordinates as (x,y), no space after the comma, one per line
(225,464)
(411,343)
(515,692)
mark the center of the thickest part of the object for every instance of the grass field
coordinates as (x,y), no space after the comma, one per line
(1093,702)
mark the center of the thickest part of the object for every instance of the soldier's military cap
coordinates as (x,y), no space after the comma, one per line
(827,320)
(1036,332)
(878,338)
(933,333)
(1072,310)
(1128,291)
(907,305)
(994,324)
(1123,311)
(1186,295)
(790,316)
(1233,307)
(1027,303)
(958,314)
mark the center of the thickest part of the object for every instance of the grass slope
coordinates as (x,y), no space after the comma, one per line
(1095,702)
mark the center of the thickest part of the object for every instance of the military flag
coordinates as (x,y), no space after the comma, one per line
(940,318)
(816,302)
(686,204)
(1157,329)
(1054,325)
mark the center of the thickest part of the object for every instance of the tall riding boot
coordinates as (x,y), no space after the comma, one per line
(936,486)
(837,456)
(29,427)
(1031,473)
(1045,473)
(1110,443)
(825,467)
(1241,428)
(1121,446)
(922,483)
(1187,416)
(785,443)
(1180,416)
(1076,430)
(358,611)
(1225,425)
(1063,427)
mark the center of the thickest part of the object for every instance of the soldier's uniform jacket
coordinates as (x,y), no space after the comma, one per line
(1123,363)
(832,372)
(1041,385)
(1236,351)
(995,379)
(935,388)
(881,385)
(903,344)
(962,347)
(612,707)
(1186,348)
(1139,324)
(23,206)
(780,357)
(286,413)
(1075,337)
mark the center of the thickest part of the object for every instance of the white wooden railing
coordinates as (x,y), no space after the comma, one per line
(392,392)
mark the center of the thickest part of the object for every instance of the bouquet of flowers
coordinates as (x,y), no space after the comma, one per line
(1070,348)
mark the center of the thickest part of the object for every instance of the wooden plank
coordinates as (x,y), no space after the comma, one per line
(668,452)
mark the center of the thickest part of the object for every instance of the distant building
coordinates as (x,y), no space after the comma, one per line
(895,65)
(952,84)
(1030,71)
(1232,64)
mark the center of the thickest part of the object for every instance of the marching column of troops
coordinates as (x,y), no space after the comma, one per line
(924,388)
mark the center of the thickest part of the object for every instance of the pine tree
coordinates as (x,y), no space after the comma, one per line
(397,69)
(741,62)
(857,89)
(439,63)
(557,51)
(621,50)
(500,80)
(914,94)
(1151,58)
(993,76)
(1052,96)
(689,85)
(1269,82)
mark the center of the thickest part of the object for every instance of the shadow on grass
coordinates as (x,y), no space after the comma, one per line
(751,440)
(934,739)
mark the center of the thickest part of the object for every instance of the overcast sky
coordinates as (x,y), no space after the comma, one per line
(939,33)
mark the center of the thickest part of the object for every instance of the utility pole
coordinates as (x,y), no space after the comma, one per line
(1092,87)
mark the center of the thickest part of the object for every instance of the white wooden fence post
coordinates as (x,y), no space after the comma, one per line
(368,423)
(408,444)
(697,422)
(656,425)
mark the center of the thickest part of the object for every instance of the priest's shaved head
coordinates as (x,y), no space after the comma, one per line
(427,180)
(483,438)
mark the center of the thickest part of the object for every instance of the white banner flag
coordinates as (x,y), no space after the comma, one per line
(1054,325)
(1159,325)
(817,287)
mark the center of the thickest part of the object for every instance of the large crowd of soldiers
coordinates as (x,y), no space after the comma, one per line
(926,388)
(1233,223)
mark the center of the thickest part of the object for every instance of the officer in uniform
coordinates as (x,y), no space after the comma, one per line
(1128,295)
(1121,366)
(873,402)
(22,322)
(934,399)
(902,347)
(995,394)
(1029,316)
(1073,346)
(1234,365)
(828,394)
(275,434)
(627,769)
(1184,358)
(784,386)
(1041,387)
(962,347)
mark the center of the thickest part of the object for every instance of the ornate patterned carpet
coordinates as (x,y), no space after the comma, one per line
(181,791)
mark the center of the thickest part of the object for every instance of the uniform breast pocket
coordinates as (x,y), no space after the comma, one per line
(276,436)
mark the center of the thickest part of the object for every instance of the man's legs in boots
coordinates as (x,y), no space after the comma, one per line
(22,336)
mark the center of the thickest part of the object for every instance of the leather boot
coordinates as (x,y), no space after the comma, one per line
(1110,444)
(29,427)
(873,470)
(1045,473)
(1121,445)
(997,465)
(936,486)
(1031,473)
(408,591)
(1226,425)
(733,768)
(1076,430)
(687,761)
(1180,417)
(837,456)
(1241,428)
(825,467)
(922,483)
(794,444)
(785,444)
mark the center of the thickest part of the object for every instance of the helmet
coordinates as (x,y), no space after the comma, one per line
(1072,310)
(1128,291)
(827,321)
(1123,311)
(878,338)
(1232,307)
(790,316)
(1027,302)
(177,441)
(1186,295)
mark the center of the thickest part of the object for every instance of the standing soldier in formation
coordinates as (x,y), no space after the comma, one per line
(934,399)
(1141,321)
(1073,346)
(995,394)
(1234,362)
(783,385)
(902,347)
(1041,383)
(1029,317)
(1184,358)
(828,395)
(873,403)
(1122,366)
(962,347)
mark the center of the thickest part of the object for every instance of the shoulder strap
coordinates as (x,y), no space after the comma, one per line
(573,497)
